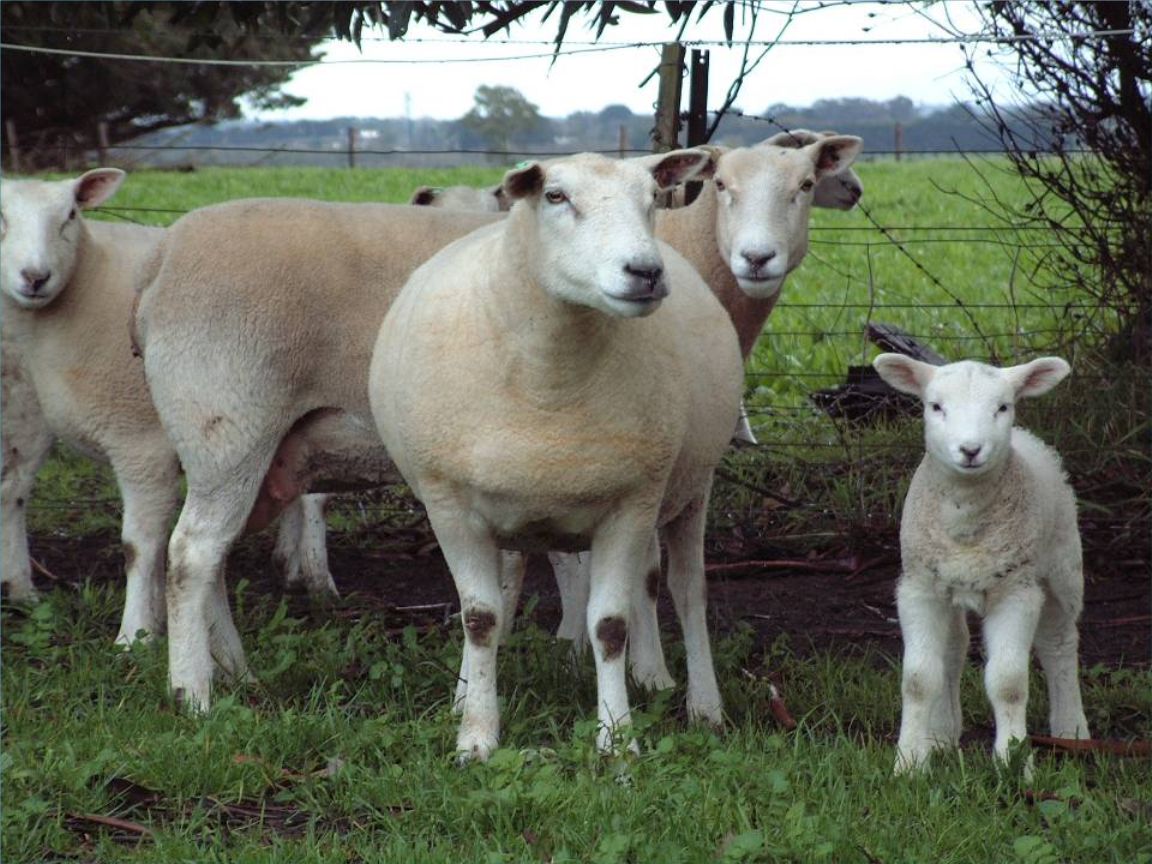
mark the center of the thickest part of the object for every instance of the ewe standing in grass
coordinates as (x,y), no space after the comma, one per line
(68,289)
(989,526)
(534,397)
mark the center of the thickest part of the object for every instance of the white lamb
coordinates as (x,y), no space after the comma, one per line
(534,397)
(68,289)
(989,526)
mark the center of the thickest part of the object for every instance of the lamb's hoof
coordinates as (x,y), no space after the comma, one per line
(653,679)
(478,750)
(709,714)
(25,595)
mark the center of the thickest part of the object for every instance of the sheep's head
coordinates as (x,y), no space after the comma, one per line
(593,219)
(969,407)
(764,195)
(40,231)
(489,200)
(840,191)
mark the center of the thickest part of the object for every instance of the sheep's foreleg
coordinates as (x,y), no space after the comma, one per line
(645,653)
(474,560)
(1009,630)
(929,712)
(571,570)
(302,548)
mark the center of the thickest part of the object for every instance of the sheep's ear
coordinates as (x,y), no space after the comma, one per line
(424,196)
(524,180)
(502,201)
(95,187)
(833,155)
(794,138)
(677,166)
(903,373)
(1038,377)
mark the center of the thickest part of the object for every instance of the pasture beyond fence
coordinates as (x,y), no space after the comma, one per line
(923,252)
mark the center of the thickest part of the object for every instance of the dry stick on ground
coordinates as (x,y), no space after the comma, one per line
(1070,746)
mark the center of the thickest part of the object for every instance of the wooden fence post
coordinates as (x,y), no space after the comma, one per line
(351,147)
(898,140)
(667,129)
(622,141)
(102,143)
(697,113)
(13,146)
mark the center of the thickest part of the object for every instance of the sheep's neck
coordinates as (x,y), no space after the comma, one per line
(693,230)
(551,351)
(969,504)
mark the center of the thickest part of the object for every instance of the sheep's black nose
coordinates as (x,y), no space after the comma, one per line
(757,260)
(650,275)
(971,452)
(35,279)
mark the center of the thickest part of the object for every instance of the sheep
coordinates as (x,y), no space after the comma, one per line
(602,416)
(68,288)
(256,365)
(491,200)
(988,526)
(840,191)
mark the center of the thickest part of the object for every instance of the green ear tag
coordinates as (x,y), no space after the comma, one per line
(523,164)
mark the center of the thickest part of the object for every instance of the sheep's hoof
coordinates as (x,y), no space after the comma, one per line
(478,751)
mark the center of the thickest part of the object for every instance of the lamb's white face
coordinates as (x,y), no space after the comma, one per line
(764,198)
(969,407)
(40,232)
(595,219)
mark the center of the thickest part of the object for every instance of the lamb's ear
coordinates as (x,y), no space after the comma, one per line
(95,187)
(833,155)
(524,180)
(424,196)
(501,197)
(678,166)
(794,138)
(1038,377)
(903,373)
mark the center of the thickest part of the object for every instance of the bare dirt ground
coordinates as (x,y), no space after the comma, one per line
(835,601)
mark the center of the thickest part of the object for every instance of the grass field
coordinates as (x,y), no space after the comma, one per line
(341,751)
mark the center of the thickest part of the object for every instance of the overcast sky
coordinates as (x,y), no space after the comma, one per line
(430,74)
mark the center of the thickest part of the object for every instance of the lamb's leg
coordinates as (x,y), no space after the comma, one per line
(619,553)
(1058,648)
(1009,630)
(955,654)
(26,442)
(645,653)
(573,578)
(151,495)
(200,625)
(686,582)
(474,560)
(929,710)
(301,548)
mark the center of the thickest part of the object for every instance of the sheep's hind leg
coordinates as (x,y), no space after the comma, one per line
(301,548)
(1057,647)
(150,500)
(689,589)
(201,631)
(573,578)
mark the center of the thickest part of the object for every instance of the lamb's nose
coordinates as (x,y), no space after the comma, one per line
(970,453)
(35,279)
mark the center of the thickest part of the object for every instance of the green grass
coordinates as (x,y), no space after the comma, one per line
(342,751)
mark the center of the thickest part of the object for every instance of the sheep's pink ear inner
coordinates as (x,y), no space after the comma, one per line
(1039,376)
(95,187)
(423,197)
(681,165)
(524,181)
(903,373)
(835,154)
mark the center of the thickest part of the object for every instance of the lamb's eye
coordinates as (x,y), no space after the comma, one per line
(807,185)
(937,407)
(1003,409)
(720,187)
(555,196)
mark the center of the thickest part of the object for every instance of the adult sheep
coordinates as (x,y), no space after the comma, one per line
(490,200)
(602,417)
(251,370)
(68,287)
(989,526)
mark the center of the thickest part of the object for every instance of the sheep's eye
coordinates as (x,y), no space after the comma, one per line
(1003,409)
(71,214)
(937,407)
(720,187)
(807,185)
(555,196)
